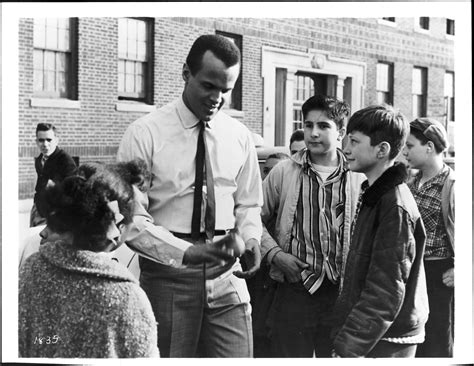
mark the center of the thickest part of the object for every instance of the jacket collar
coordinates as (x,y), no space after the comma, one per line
(53,155)
(393,176)
(66,257)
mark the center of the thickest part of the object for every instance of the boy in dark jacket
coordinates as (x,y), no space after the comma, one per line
(433,189)
(52,164)
(383,306)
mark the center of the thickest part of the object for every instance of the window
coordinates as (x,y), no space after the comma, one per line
(235,99)
(449,95)
(303,89)
(384,83)
(135,59)
(450,27)
(419,86)
(424,23)
(54,57)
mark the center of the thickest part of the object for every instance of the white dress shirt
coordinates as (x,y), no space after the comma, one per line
(167,140)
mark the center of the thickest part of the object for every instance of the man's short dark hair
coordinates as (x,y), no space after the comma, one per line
(297,135)
(381,123)
(45,127)
(223,48)
(336,109)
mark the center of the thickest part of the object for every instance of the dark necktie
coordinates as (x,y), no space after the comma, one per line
(43,160)
(202,158)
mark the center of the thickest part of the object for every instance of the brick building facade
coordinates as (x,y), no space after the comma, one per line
(282,61)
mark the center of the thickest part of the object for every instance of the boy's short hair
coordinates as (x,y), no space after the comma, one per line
(381,123)
(297,135)
(337,110)
(45,127)
(278,155)
(224,49)
(428,129)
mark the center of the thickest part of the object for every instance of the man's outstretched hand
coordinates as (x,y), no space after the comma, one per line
(252,258)
(214,253)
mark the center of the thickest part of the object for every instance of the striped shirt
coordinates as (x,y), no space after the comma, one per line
(318,228)
(428,199)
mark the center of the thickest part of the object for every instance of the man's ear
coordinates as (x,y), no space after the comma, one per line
(342,133)
(430,147)
(186,72)
(383,149)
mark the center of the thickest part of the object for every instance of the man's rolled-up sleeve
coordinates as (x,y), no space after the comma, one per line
(143,235)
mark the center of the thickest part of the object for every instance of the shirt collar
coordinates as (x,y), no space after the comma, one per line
(187,118)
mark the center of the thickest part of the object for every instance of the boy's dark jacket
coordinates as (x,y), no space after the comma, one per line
(384,289)
(58,166)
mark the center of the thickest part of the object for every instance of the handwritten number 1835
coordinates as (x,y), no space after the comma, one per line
(47,340)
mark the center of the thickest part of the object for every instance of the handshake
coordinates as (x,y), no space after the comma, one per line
(221,251)
(232,243)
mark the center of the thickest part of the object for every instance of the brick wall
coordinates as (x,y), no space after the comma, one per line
(93,131)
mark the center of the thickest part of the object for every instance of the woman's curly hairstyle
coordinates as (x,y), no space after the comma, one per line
(79,204)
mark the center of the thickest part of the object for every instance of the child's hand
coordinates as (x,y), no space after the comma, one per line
(448,277)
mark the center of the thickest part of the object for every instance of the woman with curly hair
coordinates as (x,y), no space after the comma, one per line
(74,300)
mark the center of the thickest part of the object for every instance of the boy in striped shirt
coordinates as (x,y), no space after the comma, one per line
(309,203)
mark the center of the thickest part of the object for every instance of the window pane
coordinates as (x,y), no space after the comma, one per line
(60,61)
(39,33)
(449,84)
(38,70)
(51,36)
(139,85)
(417,81)
(63,39)
(132,29)
(141,51)
(49,61)
(49,80)
(122,38)
(132,49)
(383,77)
(62,84)
(130,67)
(141,30)
(129,83)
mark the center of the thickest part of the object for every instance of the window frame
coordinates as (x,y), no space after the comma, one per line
(424,91)
(450,23)
(390,78)
(236,93)
(71,84)
(148,78)
(449,100)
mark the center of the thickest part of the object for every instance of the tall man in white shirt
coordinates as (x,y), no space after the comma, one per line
(201,309)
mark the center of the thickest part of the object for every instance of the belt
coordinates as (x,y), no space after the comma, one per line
(201,236)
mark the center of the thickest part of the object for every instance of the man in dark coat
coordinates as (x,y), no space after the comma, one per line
(52,164)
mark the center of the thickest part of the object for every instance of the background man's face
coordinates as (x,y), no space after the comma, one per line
(205,92)
(297,146)
(46,141)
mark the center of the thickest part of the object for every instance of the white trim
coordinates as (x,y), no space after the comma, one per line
(234,113)
(387,22)
(134,107)
(417,28)
(311,61)
(55,103)
(450,37)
